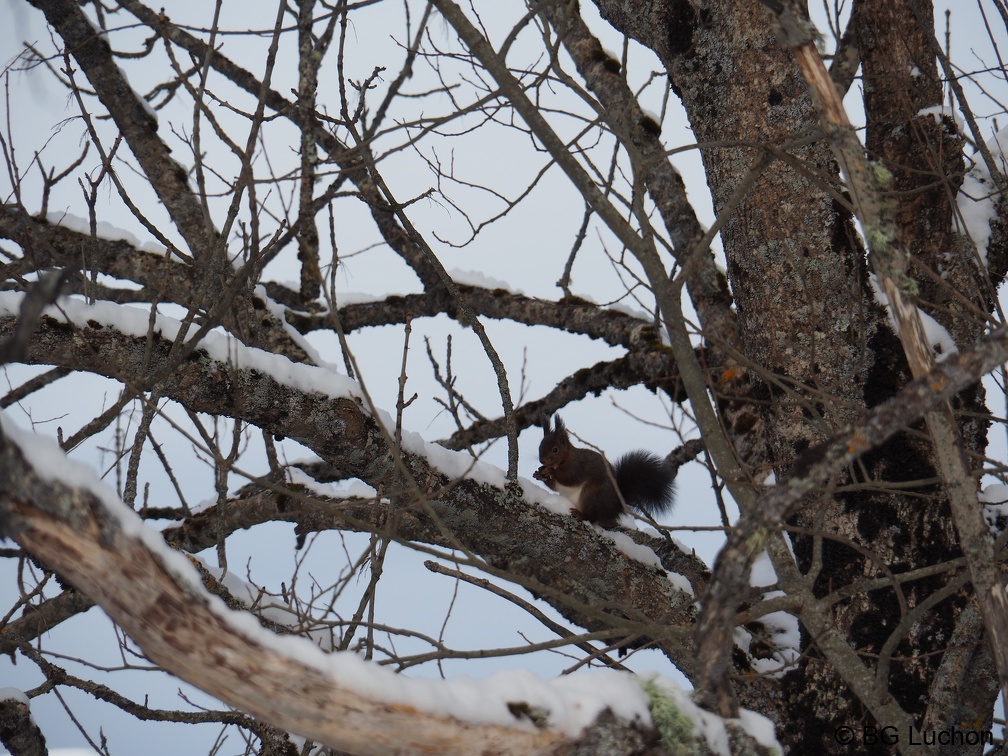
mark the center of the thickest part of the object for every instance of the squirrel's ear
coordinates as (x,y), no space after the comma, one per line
(558,425)
(544,421)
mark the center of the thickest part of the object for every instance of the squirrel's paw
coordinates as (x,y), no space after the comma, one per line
(544,473)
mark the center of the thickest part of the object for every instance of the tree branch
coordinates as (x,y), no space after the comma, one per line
(92,52)
(103,551)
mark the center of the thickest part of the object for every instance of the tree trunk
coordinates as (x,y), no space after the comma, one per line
(821,346)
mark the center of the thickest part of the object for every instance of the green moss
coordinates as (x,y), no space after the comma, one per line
(879,237)
(757,540)
(675,727)
(910,286)
(883,175)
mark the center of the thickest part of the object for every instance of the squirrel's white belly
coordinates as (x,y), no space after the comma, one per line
(571,492)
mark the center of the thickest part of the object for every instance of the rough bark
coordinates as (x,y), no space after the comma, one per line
(808,320)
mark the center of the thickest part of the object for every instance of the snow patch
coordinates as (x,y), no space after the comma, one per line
(475,278)
(279,312)
(781,627)
(937,111)
(995,506)
(354,489)
(939,339)
(976,199)
(14,694)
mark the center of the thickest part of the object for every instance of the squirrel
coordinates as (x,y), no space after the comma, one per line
(598,489)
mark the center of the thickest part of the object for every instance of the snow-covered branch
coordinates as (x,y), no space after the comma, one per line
(58,511)
(467,503)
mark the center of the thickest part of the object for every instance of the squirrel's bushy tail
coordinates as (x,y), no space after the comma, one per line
(646,481)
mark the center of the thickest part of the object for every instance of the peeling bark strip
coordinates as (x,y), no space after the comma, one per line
(172,621)
(730,577)
(890,259)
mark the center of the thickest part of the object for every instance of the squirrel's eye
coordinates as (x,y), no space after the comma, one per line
(556,449)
